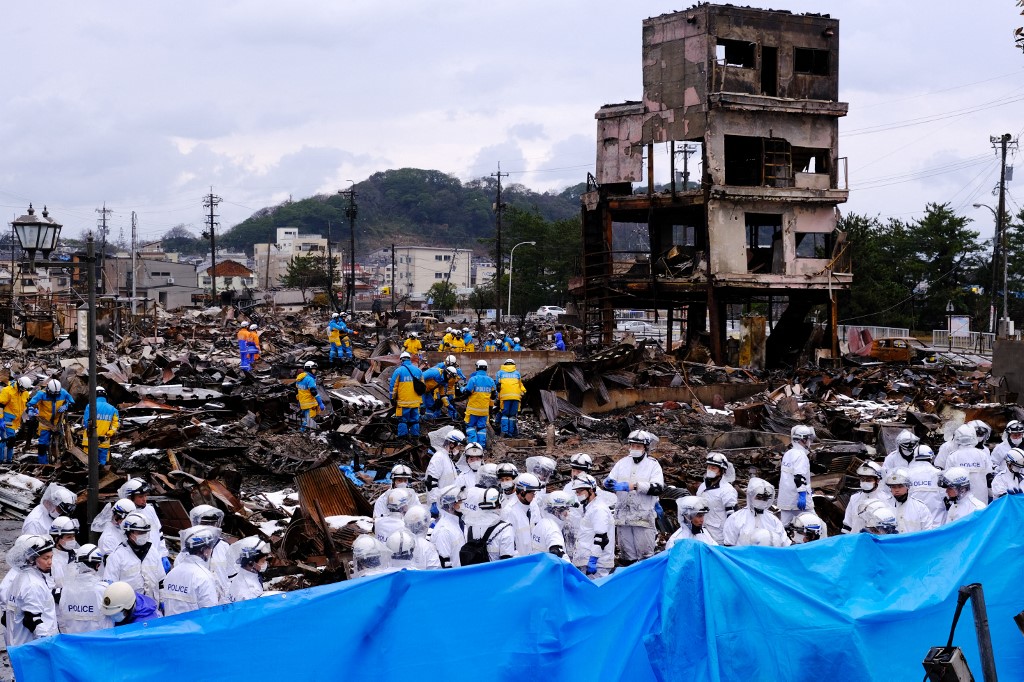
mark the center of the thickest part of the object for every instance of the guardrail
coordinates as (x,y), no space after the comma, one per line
(976,342)
(876,332)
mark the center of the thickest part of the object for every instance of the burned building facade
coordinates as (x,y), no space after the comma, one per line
(756,92)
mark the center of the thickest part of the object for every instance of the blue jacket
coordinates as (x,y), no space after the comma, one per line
(559,343)
(145,609)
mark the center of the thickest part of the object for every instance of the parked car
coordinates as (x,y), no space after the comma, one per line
(550,312)
(640,329)
(423,323)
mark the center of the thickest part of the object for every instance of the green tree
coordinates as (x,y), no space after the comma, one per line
(442,296)
(948,256)
(181,240)
(481,299)
(308,272)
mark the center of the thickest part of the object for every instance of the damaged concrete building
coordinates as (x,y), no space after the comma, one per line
(756,92)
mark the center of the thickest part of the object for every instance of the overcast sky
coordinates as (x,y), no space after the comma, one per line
(144,106)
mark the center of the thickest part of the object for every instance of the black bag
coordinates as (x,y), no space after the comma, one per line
(418,386)
(475,551)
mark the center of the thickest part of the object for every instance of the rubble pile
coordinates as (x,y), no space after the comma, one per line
(203,431)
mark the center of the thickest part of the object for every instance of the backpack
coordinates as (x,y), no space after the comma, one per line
(417,384)
(475,551)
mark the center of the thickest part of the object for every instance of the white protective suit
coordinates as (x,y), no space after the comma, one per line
(110,538)
(722,500)
(795,463)
(30,593)
(80,600)
(945,450)
(38,522)
(924,486)
(635,531)
(156,530)
(1007,482)
(978,465)
(63,562)
(425,557)
(222,565)
(189,586)
(441,469)
(913,515)
(448,539)
(384,526)
(963,507)
(547,534)
(501,543)
(686,533)
(852,522)
(245,585)
(521,516)
(998,456)
(740,527)
(596,537)
(895,460)
(144,576)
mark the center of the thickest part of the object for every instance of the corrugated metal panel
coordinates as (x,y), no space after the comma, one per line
(336,495)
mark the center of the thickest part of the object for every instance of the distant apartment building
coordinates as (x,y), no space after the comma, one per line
(231,275)
(271,260)
(417,268)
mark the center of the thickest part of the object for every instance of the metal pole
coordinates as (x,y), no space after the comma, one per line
(981,629)
(93,500)
(1004,140)
(511,255)
(134,274)
(392,279)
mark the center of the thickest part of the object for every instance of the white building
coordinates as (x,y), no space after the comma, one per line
(230,275)
(417,268)
(271,260)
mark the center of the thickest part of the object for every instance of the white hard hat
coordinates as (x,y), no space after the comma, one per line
(481,364)
(53,386)
(405,356)
(117,597)
(25,382)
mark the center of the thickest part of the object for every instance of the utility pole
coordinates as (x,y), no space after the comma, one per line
(1002,142)
(393,309)
(351,211)
(687,150)
(210,202)
(330,271)
(498,209)
(135,237)
(101,224)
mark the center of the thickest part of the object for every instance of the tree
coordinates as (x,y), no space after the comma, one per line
(481,300)
(181,240)
(307,272)
(542,271)
(442,295)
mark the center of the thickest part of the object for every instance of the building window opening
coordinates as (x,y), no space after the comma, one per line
(764,243)
(814,244)
(809,61)
(811,160)
(738,53)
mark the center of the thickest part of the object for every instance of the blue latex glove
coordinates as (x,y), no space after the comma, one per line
(592,565)
(621,487)
(801,501)
(320,404)
(609,484)
(62,409)
(433,510)
(166,563)
(31,412)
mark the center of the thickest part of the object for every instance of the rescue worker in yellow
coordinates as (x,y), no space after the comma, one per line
(446,340)
(458,344)
(254,343)
(13,398)
(405,398)
(480,389)
(510,394)
(309,398)
(107,423)
(412,345)
(49,405)
(243,347)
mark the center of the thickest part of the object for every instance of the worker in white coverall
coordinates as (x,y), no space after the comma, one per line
(871,488)
(754,524)
(594,553)
(401,477)
(691,512)
(1013,437)
(924,484)
(191,585)
(449,534)
(973,458)
(136,561)
(57,501)
(911,515)
(637,482)
(417,522)
(222,564)
(807,527)
(795,478)
(501,543)
(1010,479)
(960,502)
(549,530)
(903,455)
(719,492)
(81,599)
(441,470)
(521,513)
(251,556)
(31,613)
(399,502)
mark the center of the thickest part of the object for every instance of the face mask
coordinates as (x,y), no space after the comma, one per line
(760,505)
(474,465)
(711,474)
(119,616)
(637,455)
(507,486)
(261,567)
(582,499)
(1016,438)
(868,487)
(799,539)
(141,539)
(70,544)
(401,484)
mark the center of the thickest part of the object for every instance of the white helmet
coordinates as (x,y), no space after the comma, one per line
(584,481)
(250,550)
(401,471)
(253,327)
(62,501)
(801,432)
(368,553)
(527,483)
(581,461)
(135,523)
(206,515)
(515,339)
(870,470)
(981,430)
(34,547)
(807,527)
(924,453)
(487,475)
(309,364)
(957,479)
(121,509)
(25,382)
(541,466)
(451,496)
(509,361)
(1015,461)
(491,500)
(641,437)
(455,437)
(405,355)
(117,597)
(448,330)
(334,316)
(760,494)
(413,335)
(898,477)
(417,520)
(689,507)
(399,500)
(481,364)
(880,519)
(196,539)
(89,555)
(965,436)
(451,360)
(465,330)
(63,525)
(53,387)
(559,503)
(906,441)
(474,450)
(133,487)
(402,545)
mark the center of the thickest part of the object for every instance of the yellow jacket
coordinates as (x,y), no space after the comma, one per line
(510,383)
(306,384)
(13,400)
(107,423)
(413,346)
(458,345)
(446,342)
(401,385)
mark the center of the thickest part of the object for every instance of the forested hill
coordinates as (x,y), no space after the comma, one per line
(407,206)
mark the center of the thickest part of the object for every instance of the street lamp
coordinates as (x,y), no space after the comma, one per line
(998,246)
(511,255)
(40,234)
(949,326)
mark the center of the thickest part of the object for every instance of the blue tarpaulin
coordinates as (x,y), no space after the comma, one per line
(847,609)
